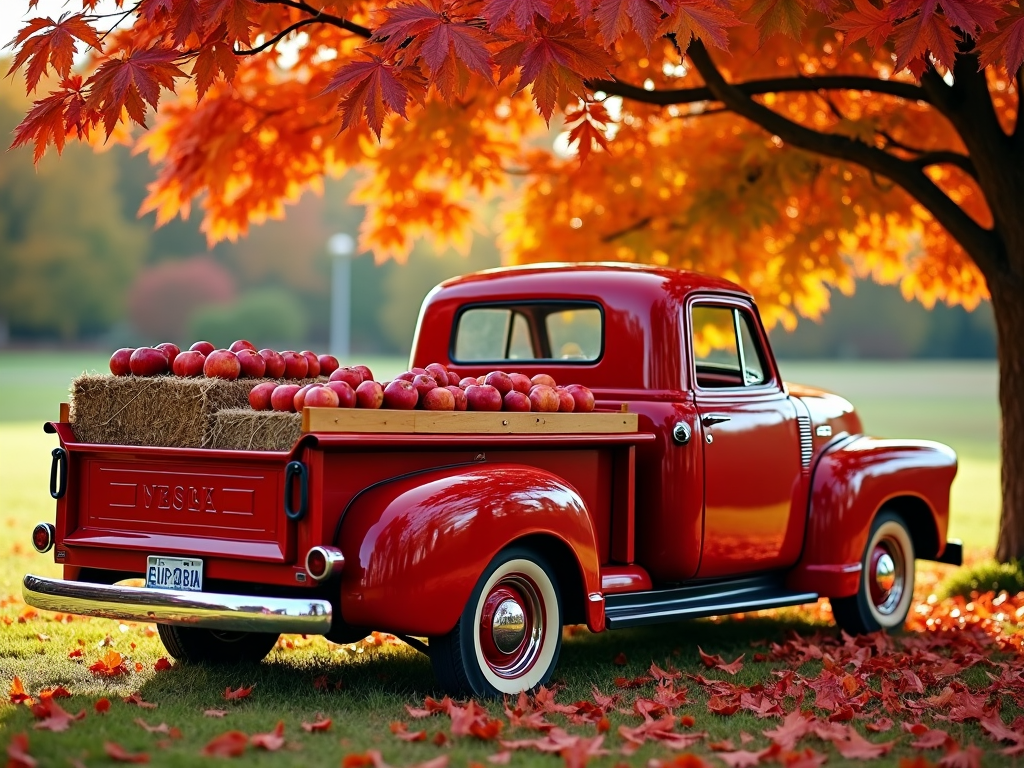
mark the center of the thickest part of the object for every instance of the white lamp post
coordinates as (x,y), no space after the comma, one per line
(340,246)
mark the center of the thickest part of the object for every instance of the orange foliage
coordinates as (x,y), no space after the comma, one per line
(426,99)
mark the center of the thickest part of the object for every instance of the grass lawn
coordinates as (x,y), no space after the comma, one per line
(365,687)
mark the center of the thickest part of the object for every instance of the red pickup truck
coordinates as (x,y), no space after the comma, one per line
(736,492)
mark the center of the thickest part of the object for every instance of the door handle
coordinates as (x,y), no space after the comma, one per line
(713,418)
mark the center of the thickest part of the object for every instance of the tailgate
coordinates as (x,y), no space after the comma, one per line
(227,504)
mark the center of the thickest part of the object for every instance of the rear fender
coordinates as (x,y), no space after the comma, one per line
(416,547)
(851,483)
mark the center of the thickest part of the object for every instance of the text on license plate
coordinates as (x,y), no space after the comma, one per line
(174,573)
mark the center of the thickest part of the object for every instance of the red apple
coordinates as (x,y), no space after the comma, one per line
(500,381)
(275,363)
(453,379)
(203,346)
(222,364)
(328,364)
(295,365)
(516,401)
(439,399)
(119,362)
(259,396)
(584,397)
(406,376)
(367,373)
(238,346)
(483,397)
(350,376)
(469,381)
(566,403)
(424,384)
(300,397)
(313,362)
(369,394)
(543,378)
(148,361)
(461,403)
(401,395)
(346,395)
(322,396)
(439,372)
(521,383)
(418,371)
(171,350)
(283,397)
(253,364)
(189,363)
(480,380)
(544,399)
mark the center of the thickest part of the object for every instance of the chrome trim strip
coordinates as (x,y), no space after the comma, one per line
(806,441)
(234,613)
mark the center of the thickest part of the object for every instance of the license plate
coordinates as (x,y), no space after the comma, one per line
(174,573)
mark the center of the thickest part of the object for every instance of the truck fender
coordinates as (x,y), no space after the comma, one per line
(416,546)
(852,481)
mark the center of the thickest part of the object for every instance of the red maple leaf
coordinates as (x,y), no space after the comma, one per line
(616,17)
(161,664)
(795,726)
(701,19)
(272,741)
(52,716)
(102,706)
(556,59)
(1008,44)
(228,744)
(17,753)
(75,654)
(60,692)
(722,706)
(963,758)
(865,22)
(521,11)
(214,712)
(372,87)
(933,739)
(54,47)
(321,725)
(856,747)
(236,15)
(401,730)
(111,665)
(922,33)
(162,728)
(188,20)
(620,659)
(130,83)
(239,693)
(17,694)
(215,58)
(118,753)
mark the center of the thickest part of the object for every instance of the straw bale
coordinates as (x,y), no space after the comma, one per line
(159,410)
(249,430)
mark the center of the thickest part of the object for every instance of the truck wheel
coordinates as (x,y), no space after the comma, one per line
(510,632)
(215,646)
(886,583)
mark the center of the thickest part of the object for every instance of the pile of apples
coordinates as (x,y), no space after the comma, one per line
(433,388)
(241,360)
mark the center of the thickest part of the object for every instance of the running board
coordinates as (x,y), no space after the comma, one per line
(719,598)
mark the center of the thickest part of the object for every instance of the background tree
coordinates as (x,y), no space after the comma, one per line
(824,140)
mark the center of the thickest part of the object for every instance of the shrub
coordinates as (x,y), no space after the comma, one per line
(985,576)
(267,317)
(164,298)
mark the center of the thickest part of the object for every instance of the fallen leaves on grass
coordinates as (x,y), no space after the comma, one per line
(136,699)
(716,662)
(214,712)
(239,693)
(17,753)
(162,664)
(17,693)
(52,716)
(317,726)
(401,731)
(228,744)
(111,665)
(272,741)
(60,692)
(102,706)
(119,754)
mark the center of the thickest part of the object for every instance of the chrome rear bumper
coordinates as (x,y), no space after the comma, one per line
(236,613)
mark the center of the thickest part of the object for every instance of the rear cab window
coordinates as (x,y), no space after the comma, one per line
(569,332)
(727,352)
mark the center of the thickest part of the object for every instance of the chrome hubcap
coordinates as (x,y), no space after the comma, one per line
(508,626)
(887,575)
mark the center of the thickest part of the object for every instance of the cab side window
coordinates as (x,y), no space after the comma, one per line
(726,350)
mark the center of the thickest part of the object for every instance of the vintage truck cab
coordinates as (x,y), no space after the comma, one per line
(736,492)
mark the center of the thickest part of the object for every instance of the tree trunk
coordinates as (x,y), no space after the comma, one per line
(1008,308)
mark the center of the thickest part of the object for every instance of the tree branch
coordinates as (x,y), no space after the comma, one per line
(640,224)
(326,18)
(276,38)
(927,157)
(982,244)
(755,87)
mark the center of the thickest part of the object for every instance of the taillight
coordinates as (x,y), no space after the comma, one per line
(42,537)
(321,562)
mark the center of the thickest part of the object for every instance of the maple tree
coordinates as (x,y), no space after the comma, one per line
(791,145)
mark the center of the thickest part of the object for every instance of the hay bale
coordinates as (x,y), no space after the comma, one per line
(248,430)
(161,410)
